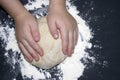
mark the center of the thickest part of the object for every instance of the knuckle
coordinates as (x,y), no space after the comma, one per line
(32,51)
(32,43)
(33,54)
(36,47)
(29,57)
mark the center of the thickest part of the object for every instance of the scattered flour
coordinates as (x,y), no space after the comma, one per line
(72,68)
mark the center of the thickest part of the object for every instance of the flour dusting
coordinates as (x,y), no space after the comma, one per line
(71,69)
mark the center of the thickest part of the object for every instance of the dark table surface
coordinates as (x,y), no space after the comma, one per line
(105,22)
(103,17)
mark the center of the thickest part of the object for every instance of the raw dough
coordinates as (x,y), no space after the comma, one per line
(52,48)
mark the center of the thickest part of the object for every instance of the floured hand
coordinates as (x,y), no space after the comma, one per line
(59,19)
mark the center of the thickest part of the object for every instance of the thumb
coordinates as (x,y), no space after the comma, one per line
(53,30)
(35,32)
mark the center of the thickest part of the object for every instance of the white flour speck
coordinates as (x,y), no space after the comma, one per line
(72,68)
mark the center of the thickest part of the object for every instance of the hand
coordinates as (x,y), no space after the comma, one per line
(27,36)
(59,20)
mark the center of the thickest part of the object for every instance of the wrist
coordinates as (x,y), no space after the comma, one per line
(57,4)
(21,15)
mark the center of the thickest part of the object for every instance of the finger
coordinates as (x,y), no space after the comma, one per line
(35,46)
(35,32)
(71,43)
(31,51)
(76,36)
(53,29)
(25,52)
(64,37)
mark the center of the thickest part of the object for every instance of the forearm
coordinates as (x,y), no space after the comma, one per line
(13,7)
(58,4)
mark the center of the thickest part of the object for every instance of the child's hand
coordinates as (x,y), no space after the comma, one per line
(59,20)
(27,36)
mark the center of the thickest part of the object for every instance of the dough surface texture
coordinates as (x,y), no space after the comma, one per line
(52,48)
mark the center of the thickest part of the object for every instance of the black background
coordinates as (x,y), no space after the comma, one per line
(104,20)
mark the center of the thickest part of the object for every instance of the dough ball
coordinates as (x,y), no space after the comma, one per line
(52,48)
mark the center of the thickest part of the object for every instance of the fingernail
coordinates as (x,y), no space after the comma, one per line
(36,59)
(36,38)
(55,35)
(72,51)
(30,59)
(41,53)
(64,52)
(69,55)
